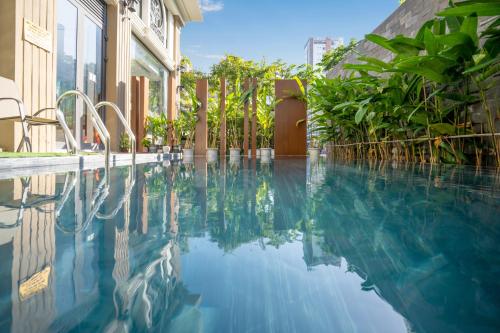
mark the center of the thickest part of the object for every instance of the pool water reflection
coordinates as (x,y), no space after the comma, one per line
(248,247)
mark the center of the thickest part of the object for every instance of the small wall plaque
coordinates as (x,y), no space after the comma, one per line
(38,36)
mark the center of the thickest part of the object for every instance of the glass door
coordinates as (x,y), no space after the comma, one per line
(92,79)
(80,65)
(67,28)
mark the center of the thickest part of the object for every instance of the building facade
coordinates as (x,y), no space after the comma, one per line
(126,52)
(316,48)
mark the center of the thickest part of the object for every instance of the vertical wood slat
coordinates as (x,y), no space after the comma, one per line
(52,71)
(223,127)
(27,63)
(290,139)
(42,103)
(35,79)
(246,86)
(254,119)
(143,105)
(201,132)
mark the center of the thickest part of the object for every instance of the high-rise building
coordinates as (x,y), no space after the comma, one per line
(316,47)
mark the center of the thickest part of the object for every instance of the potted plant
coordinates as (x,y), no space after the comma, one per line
(146,143)
(157,127)
(314,149)
(265,119)
(235,102)
(186,126)
(213,122)
(124,143)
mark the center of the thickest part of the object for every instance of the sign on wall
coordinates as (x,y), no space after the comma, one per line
(37,35)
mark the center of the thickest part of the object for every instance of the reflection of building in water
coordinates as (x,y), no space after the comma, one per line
(112,270)
(315,254)
(149,294)
(30,249)
(47,286)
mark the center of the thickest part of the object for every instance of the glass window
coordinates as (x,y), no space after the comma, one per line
(137,5)
(157,18)
(147,65)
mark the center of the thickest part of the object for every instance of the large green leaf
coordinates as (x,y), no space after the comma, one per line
(431,43)
(431,67)
(360,114)
(443,129)
(469,27)
(364,68)
(467,8)
(380,41)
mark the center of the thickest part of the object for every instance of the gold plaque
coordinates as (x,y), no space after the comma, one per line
(37,35)
(35,284)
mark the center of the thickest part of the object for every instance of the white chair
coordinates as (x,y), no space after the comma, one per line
(12,108)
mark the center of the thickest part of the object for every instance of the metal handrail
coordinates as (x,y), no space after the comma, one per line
(96,120)
(98,198)
(124,122)
(124,198)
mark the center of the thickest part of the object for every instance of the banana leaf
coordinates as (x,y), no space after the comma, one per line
(467,8)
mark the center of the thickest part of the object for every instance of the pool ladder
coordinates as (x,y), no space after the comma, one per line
(98,198)
(103,132)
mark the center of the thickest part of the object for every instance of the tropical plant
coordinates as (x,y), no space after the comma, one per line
(124,142)
(158,127)
(333,57)
(412,105)
(213,123)
(185,124)
(266,106)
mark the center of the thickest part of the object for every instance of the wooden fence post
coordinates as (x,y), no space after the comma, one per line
(223,127)
(254,120)
(246,86)
(201,133)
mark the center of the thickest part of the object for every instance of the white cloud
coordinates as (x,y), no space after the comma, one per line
(211,5)
(212,56)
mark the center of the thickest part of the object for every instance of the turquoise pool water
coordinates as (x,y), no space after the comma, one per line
(242,247)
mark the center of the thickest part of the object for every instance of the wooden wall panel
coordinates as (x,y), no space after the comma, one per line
(201,134)
(290,139)
(31,67)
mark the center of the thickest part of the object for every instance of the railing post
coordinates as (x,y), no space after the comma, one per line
(201,133)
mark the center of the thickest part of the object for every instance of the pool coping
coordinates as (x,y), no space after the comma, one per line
(26,166)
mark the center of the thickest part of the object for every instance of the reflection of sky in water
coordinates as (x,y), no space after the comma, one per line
(284,247)
(254,290)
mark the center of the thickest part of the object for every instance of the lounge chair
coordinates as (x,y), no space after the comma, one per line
(12,108)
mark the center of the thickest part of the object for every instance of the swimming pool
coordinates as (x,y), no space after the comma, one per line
(289,246)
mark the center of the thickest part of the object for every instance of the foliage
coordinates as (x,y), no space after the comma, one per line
(124,142)
(213,123)
(333,57)
(158,127)
(425,92)
(185,124)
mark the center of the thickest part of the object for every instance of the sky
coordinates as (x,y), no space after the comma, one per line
(276,29)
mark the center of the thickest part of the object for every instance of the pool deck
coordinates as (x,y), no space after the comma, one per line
(12,167)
